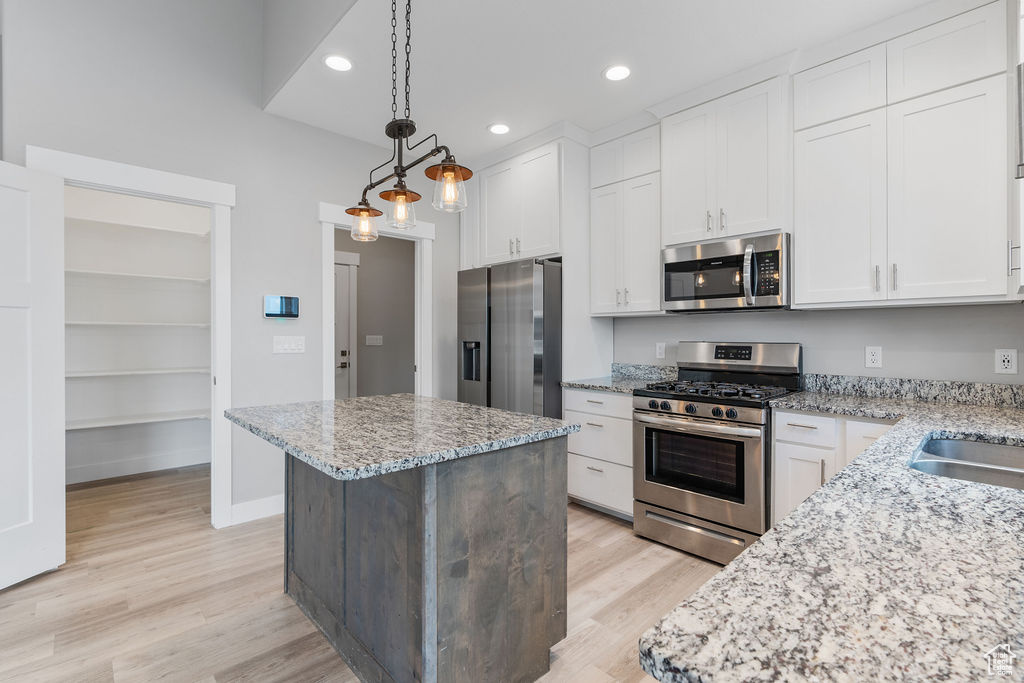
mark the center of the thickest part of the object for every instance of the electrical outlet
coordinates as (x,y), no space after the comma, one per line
(872,356)
(1006,361)
(659,350)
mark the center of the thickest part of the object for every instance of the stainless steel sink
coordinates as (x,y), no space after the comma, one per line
(987,463)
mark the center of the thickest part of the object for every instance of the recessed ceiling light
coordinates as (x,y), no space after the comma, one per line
(498,128)
(337,62)
(616,73)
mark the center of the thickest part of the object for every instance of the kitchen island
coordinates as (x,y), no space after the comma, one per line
(425,538)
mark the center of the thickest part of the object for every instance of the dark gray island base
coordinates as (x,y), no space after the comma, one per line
(453,570)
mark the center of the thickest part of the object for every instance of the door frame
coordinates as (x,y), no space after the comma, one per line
(351,259)
(112,176)
(332,218)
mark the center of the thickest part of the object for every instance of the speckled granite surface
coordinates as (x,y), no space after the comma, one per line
(651,373)
(934,390)
(613,383)
(368,436)
(884,574)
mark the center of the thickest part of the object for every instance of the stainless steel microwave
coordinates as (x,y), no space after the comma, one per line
(743,272)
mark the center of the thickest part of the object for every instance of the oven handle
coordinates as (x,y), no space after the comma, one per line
(748,274)
(683,425)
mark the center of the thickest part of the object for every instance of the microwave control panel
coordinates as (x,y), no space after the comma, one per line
(768,275)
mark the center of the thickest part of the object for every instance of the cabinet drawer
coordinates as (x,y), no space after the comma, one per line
(601,483)
(811,430)
(843,87)
(599,403)
(601,437)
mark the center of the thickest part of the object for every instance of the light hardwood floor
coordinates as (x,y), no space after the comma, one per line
(152,592)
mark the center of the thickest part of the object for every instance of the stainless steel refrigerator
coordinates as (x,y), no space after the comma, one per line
(510,337)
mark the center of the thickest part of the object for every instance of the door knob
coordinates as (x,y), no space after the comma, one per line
(342,366)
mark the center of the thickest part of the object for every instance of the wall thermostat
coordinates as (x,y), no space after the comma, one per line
(275,306)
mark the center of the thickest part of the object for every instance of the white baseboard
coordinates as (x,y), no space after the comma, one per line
(150,463)
(252,510)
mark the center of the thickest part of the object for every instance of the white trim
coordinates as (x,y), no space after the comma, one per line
(149,463)
(99,173)
(252,510)
(333,217)
(346,258)
(113,176)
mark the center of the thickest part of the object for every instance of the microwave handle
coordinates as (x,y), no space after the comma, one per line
(748,274)
(689,426)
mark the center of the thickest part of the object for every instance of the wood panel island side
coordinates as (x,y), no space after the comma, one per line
(425,538)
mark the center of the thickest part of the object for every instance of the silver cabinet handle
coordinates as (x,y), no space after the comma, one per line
(518,249)
(618,298)
(721,220)
(708,221)
(626,296)
(600,403)
(878,278)
(748,274)
(596,424)
(510,244)
(797,424)
(822,471)
(595,469)
(894,277)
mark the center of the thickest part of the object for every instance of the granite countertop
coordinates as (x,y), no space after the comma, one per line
(368,436)
(885,573)
(614,383)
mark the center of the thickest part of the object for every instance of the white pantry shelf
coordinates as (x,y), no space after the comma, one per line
(89,224)
(122,420)
(141,276)
(78,374)
(107,323)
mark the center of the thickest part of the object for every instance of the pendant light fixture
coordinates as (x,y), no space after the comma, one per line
(448,176)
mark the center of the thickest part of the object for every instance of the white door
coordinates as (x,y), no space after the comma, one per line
(747,160)
(799,472)
(640,233)
(948,178)
(32,390)
(605,259)
(840,212)
(540,199)
(344,330)
(500,213)
(688,171)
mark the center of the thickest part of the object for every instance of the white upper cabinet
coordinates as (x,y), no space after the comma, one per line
(843,87)
(967,47)
(723,161)
(520,206)
(948,161)
(625,252)
(688,167)
(630,156)
(840,211)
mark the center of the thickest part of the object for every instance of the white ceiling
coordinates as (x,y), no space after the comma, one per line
(534,63)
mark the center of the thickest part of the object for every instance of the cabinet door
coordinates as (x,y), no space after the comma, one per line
(843,87)
(860,435)
(606,163)
(967,47)
(641,246)
(605,218)
(688,171)
(839,211)
(748,168)
(641,152)
(799,472)
(500,213)
(540,198)
(948,176)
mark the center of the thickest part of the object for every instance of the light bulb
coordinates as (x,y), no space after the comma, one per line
(403,214)
(363,229)
(449,190)
(700,279)
(736,278)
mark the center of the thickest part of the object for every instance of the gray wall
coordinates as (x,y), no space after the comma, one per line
(949,342)
(176,86)
(385,306)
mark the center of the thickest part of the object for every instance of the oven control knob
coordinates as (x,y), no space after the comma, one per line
(731,413)
(716,412)
(665,405)
(652,404)
(690,408)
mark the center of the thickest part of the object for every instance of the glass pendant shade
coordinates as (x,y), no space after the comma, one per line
(449,185)
(364,223)
(401,210)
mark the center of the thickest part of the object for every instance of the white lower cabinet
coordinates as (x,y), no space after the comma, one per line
(601,453)
(809,449)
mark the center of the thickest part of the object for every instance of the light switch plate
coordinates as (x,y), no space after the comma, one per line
(289,344)
(374,340)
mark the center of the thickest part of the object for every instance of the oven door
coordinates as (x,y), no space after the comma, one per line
(709,470)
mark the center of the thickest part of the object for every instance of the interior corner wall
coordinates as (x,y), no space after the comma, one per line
(176,86)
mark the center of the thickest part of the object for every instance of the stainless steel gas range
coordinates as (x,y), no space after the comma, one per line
(701,467)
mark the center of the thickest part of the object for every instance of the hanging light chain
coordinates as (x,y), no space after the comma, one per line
(394,60)
(408,51)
